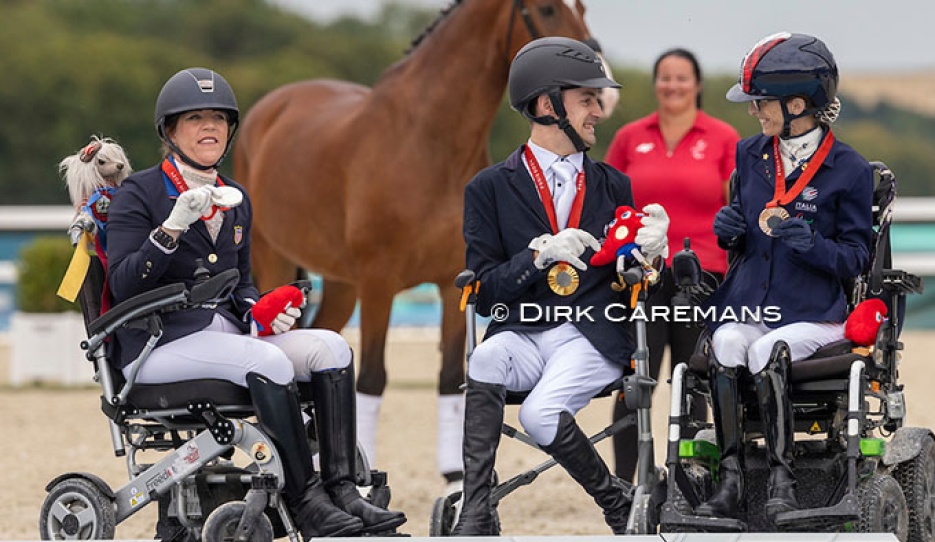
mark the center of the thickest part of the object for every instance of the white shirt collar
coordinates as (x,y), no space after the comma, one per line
(546,157)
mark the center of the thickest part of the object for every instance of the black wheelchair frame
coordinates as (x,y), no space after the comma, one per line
(860,470)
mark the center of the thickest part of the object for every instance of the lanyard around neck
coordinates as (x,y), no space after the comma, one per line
(172,172)
(542,186)
(809,169)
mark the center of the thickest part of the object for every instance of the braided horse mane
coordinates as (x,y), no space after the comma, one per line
(428,29)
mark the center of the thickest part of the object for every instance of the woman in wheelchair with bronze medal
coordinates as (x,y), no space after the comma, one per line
(799,225)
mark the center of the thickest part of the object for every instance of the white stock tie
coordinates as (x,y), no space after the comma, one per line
(563,192)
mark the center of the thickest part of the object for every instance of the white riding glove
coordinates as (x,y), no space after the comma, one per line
(281,324)
(652,237)
(565,246)
(285,320)
(189,207)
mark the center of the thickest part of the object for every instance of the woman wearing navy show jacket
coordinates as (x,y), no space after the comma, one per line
(800,225)
(162,221)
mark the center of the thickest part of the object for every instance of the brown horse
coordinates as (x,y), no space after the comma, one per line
(365,186)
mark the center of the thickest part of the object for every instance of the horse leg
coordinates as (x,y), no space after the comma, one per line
(451,398)
(336,306)
(376,300)
(270,268)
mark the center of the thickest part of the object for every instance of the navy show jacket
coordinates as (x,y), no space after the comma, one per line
(503,213)
(806,286)
(143,201)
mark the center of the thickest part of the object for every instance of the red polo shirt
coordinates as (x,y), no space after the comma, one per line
(688,182)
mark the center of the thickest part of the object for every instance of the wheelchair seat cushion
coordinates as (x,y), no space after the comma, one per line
(517,397)
(830,361)
(178,394)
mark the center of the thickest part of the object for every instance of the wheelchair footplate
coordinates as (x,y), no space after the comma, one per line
(820,519)
(673,520)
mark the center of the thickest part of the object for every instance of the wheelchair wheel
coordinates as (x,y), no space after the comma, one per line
(701,484)
(917,479)
(882,507)
(221,525)
(444,515)
(77,509)
(645,515)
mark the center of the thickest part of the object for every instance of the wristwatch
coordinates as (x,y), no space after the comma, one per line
(164,240)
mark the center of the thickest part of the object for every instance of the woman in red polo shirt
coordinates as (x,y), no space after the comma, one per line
(681,158)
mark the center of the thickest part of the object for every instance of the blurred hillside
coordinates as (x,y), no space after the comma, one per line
(914,91)
(73,68)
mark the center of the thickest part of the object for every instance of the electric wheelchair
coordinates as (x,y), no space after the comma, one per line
(636,386)
(857,467)
(194,426)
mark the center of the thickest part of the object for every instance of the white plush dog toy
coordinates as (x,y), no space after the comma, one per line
(91,175)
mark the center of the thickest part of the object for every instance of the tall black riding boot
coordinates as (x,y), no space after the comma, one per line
(573,451)
(483,421)
(728,426)
(772,392)
(335,414)
(280,418)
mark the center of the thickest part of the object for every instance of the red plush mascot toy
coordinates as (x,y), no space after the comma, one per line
(267,311)
(864,322)
(620,235)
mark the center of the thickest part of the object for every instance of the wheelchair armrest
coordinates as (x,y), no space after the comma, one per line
(160,299)
(686,269)
(217,287)
(464,278)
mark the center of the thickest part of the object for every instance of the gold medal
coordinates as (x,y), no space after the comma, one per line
(770,218)
(563,279)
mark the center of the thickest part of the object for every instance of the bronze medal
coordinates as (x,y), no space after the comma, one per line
(563,279)
(770,218)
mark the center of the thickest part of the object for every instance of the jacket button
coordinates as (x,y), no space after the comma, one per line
(212,258)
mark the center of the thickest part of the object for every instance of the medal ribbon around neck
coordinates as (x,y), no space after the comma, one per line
(809,168)
(574,218)
(173,174)
(562,278)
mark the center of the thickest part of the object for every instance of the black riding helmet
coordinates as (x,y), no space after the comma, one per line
(190,90)
(785,65)
(549,66)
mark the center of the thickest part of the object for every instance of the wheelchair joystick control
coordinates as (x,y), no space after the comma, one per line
(201,272)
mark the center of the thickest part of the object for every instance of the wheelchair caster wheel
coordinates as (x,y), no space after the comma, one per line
(444,515)
(221,525)
(77,509)
(644,515)
(882,507)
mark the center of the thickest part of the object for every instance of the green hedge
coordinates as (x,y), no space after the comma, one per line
(40,269)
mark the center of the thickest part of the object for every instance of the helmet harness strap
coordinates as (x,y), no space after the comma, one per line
(555,96)
(788,117)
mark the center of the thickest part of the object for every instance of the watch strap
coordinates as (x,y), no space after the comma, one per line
(163,239)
